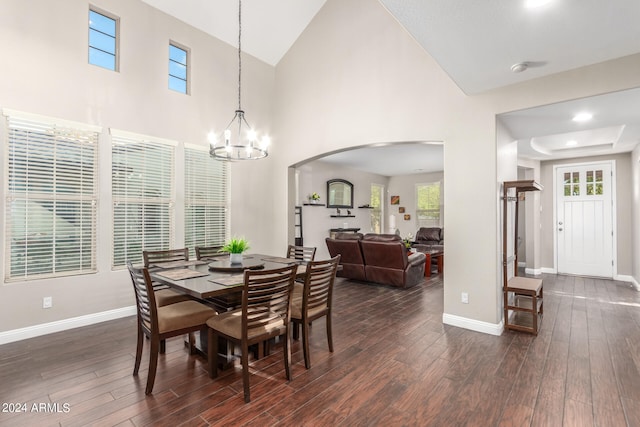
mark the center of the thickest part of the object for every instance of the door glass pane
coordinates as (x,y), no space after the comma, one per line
(599,182)
(571,184)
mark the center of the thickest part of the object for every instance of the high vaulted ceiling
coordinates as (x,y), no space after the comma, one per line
(476,43)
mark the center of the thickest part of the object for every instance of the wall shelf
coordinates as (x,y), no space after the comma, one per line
(365,207)
(313,204)
(343,216)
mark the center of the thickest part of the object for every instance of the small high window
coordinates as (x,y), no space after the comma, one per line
(103,40)
(178,68)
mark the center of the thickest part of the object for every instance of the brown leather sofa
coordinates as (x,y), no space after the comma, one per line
(384,259)
(347,245)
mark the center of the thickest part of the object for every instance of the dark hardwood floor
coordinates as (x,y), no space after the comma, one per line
(394,364)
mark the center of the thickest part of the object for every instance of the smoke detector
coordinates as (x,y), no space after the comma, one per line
(519,67)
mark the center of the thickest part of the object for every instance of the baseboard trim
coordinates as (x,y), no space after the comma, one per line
(472,324)
(630,279)
(62,325)
(549,270)
(533,271)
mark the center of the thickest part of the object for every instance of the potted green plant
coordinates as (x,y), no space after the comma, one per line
(235,247)
(314,198)
(408,242)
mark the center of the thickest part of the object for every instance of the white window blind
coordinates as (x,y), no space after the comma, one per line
(143,195)
(206,188)
(428,204)
(51,197)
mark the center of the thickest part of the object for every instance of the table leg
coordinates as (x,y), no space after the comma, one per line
(427,266)
(440,263)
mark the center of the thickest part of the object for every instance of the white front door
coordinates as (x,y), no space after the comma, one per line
(584,220)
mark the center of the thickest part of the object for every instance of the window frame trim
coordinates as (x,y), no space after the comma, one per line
(187,50)
(6,114)
(93,8)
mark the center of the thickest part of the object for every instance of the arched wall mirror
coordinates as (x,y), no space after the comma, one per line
(339,193)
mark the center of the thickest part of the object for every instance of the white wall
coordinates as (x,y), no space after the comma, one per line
(635,214)
(531,206)
(355,77)
(45,71)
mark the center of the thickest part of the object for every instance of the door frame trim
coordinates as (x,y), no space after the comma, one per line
(614,209)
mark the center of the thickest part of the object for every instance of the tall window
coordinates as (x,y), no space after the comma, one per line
(377,196)
(206,185)
(143,194)
(178,68)
(103,40)
(51,197)
(428,204)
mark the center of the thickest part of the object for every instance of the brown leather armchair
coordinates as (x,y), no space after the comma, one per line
(430,236)
(386,261)
(347,245)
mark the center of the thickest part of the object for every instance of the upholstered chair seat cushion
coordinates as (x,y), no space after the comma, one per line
(181,315)
(167,296)
(230,324)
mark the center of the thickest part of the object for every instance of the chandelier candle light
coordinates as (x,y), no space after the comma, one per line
(239,141)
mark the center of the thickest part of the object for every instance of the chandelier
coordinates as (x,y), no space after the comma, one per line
(238,141)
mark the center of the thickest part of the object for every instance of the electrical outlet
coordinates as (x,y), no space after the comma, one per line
(464,298)
(47,302)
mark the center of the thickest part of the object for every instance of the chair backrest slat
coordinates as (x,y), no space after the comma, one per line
(265,297)
(208,252)
(318,285)
(145,298)
(152,257)
(302,253)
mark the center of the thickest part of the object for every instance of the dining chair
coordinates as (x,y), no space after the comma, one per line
(164,295)
(160,323)
(301,253)
(208,252)
(312,300)
(264,314)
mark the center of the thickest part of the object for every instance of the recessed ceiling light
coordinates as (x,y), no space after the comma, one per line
(535,3)
(572,143)
(582,117)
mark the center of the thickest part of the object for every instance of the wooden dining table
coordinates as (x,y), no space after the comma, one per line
(217,283)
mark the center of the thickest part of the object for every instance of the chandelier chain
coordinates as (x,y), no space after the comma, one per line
(239,53)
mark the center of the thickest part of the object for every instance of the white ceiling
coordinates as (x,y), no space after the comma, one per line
(282,20)
(476,43)
(392,160)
